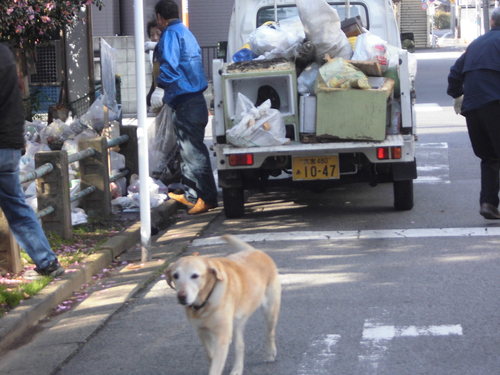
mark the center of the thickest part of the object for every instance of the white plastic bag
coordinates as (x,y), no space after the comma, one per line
(322,27)
(257,126)
(273,40)
(370,47)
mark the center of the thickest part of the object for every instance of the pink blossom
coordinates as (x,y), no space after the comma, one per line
(45,19)
(9,11)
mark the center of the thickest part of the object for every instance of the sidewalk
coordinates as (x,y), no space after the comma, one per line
(42,346)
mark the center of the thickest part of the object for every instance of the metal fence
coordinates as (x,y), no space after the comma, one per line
(53,193)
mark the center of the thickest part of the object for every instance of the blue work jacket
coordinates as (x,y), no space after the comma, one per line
(476,74)
(181,67)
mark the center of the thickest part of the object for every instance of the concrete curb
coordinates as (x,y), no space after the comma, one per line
(15,324)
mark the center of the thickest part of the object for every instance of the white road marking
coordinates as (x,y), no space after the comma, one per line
(428,107)
(377,337)
(432,163)
(318,359)
(438,55)
(356,235)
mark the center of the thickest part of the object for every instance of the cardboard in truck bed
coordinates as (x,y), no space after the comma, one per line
(353,114)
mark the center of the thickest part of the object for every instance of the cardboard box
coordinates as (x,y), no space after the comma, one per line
(353,114)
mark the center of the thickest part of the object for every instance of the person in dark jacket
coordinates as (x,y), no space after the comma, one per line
(474,83)
(183,79)
(21,218)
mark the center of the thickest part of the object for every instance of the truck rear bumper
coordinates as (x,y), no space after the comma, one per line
(369,149)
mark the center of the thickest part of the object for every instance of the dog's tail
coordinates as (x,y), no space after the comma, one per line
(236,242)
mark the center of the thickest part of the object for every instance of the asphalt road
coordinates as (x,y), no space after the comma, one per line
(366,290)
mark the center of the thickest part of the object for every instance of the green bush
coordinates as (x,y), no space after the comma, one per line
(442,20)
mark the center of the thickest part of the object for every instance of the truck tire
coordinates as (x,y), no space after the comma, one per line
(403,195)
(234,204)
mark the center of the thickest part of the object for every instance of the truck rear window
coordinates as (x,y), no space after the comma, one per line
(286,11)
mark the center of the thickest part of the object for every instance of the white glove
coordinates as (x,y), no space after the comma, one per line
(458,104)
(149,46)
(157,99)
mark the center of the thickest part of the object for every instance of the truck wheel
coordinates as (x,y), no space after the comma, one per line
(234,205)
(403,195)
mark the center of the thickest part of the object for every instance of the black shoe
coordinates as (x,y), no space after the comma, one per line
(54,269)
(488,211)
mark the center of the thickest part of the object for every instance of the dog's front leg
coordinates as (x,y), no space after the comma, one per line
(239,347)
(220,350)
(207,340)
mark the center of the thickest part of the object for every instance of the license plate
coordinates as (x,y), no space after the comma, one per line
(315,167)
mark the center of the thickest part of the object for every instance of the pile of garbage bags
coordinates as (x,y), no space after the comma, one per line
(315,38)
(65,135)
(326,52)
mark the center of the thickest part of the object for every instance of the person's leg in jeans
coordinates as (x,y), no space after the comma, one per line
(190,119)
(21,218)
(484,134)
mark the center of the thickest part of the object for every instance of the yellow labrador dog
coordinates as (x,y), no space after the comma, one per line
(220,294)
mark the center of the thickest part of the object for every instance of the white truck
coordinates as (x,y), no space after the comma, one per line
(302,162)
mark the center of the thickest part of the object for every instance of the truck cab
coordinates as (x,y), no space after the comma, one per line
(309,161)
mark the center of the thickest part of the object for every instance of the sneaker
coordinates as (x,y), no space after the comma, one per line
(200,207)
(181,198)
(54,269)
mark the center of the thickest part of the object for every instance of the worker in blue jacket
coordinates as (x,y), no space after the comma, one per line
(183,79)
(474,83)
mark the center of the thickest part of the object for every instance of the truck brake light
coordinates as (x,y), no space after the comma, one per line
(384,153)
(396,152)
(240,159)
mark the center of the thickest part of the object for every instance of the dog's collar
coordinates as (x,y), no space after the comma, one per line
(199,307)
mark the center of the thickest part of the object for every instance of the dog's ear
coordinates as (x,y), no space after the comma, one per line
(168,274)
(215,268)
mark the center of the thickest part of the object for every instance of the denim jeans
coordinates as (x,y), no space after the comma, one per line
(190,119)
(21,218)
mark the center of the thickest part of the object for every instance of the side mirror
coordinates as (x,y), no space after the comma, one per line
(222,51)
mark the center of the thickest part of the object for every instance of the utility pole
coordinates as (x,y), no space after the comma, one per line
(486,15)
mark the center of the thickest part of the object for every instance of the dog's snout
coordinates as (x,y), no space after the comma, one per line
(182,297)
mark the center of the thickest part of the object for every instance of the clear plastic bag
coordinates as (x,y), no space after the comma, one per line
(307,79)
(257,126)
(55,134)
(273,40)
(164,152)
(338,73)
(94,117)
(322,27)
